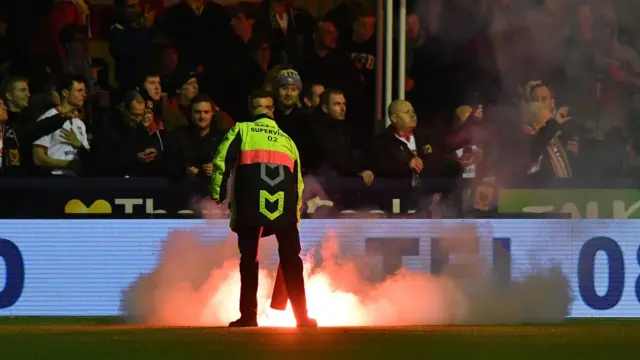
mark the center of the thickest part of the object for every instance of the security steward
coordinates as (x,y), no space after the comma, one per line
(265,200)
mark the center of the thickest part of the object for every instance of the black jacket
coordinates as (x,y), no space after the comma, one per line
(267,184)
(18,136)
(187,148)
(116,145)
(548,152)
(244,77)
(190,31)
(128,45)
(389,157)
(334,70)
(343,16)
(518,156)
(291,123)
(285,46)
(327,146)
(440,81)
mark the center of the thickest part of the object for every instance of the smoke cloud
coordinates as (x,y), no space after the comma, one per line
(197,283)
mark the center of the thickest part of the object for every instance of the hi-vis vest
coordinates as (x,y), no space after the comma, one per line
(267,185)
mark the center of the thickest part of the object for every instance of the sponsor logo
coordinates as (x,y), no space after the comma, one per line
(76,206)
(128,207)
(581,204)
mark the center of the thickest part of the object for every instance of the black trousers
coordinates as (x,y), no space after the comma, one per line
(290,261)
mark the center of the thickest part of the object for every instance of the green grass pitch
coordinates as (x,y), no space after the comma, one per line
(107,338)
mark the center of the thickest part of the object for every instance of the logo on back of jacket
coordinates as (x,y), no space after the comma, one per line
(260,128)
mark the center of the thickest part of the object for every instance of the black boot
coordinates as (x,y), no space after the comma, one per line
(243,322)
(307,323)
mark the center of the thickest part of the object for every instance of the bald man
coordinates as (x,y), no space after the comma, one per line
(403,117)
(400,153)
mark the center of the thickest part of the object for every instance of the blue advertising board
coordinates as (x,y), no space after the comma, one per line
(81,267)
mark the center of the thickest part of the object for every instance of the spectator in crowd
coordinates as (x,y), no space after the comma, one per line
(243,18)
(325,64)
(43,99)
(156,102)
(434,89)
(327,153)
(468,137)
(191,148)
(64,151)
(246,76)
(64,12)
(509,36)
(191,24)
(415,38)
(16,156)
(553,148)
(547,32)
(468,126)
(23,23)
(290,29)
(288,114)
(537,150)
(19,131)
(361,47)
(416,158)
(311,96)
(163,57)
(76,61)
(4,129)
(131,144)
(184,87)
(582,75)
(333,69)
(151,86)
(621,65)
(130,38)
(343,16)
(15,93)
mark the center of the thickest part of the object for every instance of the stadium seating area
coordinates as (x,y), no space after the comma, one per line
(128,99)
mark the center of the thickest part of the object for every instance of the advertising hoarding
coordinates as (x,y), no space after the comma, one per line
(81,267)
(581,204)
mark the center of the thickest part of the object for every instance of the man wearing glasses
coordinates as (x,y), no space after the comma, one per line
(132,145)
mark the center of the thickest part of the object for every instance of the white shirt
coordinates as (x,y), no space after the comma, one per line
(411,143)
(54,143)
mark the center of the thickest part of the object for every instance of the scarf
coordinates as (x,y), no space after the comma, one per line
(557,155)
(559,158)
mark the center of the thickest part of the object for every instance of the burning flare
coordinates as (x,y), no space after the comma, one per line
(197,283)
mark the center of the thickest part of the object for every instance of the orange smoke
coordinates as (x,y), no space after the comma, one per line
(328,305)
(197,283)
(337,296)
